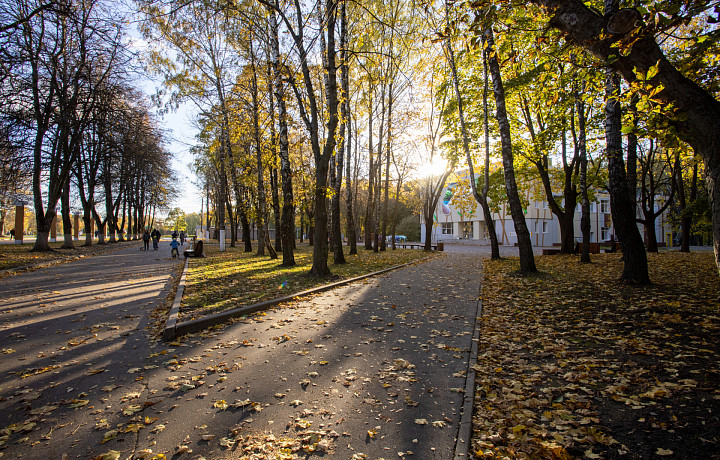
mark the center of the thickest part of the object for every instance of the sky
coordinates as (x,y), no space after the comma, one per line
(180,132)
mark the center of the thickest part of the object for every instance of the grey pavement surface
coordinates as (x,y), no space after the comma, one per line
(65,332)
(374,369)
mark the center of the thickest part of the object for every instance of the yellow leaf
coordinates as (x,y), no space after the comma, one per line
(221,404)
(663,452)
(109,436)
(75,403)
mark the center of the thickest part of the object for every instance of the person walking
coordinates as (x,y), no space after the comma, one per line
(182,237)
(155,234)
(146,240)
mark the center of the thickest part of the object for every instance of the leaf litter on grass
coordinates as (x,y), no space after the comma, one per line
(574,363)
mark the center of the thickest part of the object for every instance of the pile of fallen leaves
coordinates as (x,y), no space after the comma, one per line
(574,363)
(234,279)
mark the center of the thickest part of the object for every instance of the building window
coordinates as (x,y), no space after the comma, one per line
(604,233)
(593,206)
(605,206)
(545,226)
(447,228)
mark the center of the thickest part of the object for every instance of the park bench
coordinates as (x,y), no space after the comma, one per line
(550,251)
(614,247)
(434,247)
(196,251)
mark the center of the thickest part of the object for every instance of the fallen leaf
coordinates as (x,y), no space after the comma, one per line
(109,436)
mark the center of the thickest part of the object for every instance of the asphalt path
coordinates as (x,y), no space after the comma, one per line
(66,332)
(375,369)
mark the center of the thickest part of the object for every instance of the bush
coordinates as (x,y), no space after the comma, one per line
(410,227)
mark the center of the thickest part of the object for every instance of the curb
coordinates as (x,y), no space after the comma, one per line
(462,442)
(174,329)
(171,323)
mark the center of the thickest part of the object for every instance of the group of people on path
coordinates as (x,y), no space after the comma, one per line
(155,235)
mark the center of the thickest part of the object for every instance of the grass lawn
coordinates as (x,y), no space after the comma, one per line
(19,255)
(574,364)
(233,279)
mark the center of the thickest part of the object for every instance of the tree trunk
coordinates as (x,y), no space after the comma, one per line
(387,168)
(87,221)
(369,225)
(274,182)
(487,213)
(66,220)
(245,223)
(428,232)
(261,217)
(335,224)
(584,199)
(287,219)
(527,259)
(378,174)
(621,204)
(347,140)
(650,232)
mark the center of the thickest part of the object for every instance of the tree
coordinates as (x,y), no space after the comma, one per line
(62,56)
(527,260)
(308,106)
(200,72)
(655,179)
(481,196)
(287,221)
(176,220)
(628,45)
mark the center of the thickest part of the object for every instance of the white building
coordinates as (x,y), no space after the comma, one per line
(452,223)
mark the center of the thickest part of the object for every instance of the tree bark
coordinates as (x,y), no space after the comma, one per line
(287,220)
(584,199)
(347,122)
(487,213)
(527,259)
(369,225)
(66,220)
(383,239)
(621,204)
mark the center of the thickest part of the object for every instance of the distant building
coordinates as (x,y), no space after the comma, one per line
(452,223)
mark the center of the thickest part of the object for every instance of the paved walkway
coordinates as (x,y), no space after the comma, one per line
(67,331)
(375,368)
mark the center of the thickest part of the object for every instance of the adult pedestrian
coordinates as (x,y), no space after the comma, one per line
(146,240)
(182,237)
(155,234)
